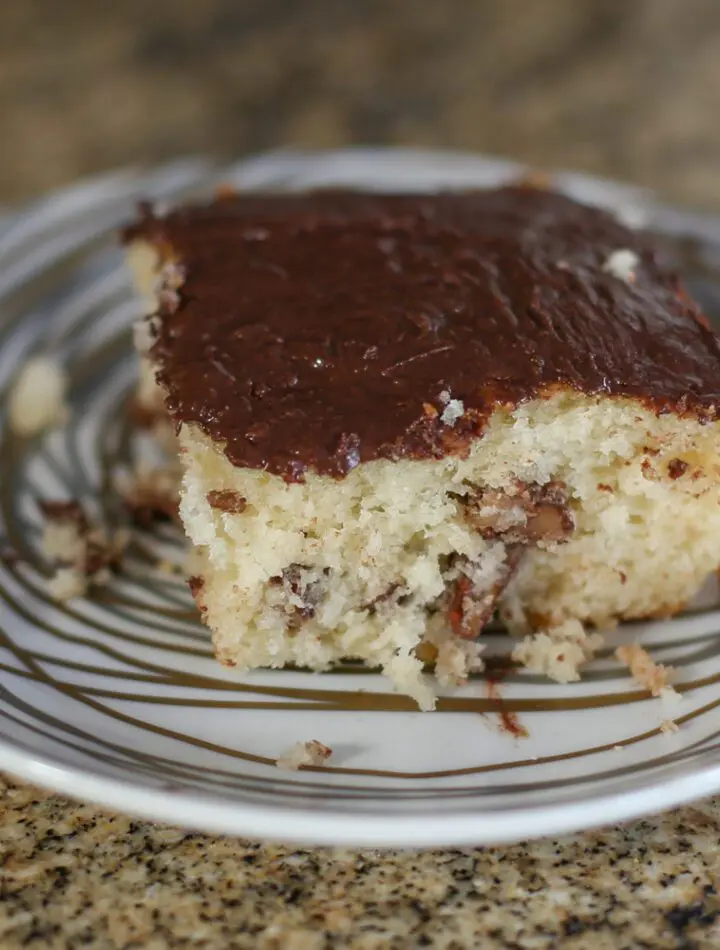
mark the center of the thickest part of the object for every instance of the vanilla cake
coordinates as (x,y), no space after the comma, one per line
(401,416)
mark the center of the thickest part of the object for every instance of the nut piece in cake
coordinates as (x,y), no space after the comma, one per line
(401,415)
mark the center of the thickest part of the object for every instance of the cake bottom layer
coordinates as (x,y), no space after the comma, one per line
(571,511)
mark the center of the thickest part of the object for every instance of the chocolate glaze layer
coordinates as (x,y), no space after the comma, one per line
(322,330)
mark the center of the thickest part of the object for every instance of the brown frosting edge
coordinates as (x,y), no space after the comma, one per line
(426,433)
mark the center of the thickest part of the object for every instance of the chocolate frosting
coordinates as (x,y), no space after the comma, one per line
(322,330)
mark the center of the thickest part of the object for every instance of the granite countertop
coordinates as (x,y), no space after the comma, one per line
(618,89)
(74,876)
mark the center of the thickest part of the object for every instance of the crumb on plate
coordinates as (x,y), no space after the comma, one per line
(653,676)
(81,553)
(559,651)
(149,493)
(37,400)
(302,754)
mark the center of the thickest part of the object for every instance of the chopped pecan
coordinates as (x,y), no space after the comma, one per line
(521,518)
(298,587)
(468,614)
(395,592)
(530,514)
(470,609)
(677,468)
(227,500)
(196,583)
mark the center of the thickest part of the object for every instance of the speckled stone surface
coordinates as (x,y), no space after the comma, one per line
(73,876)
(628,90)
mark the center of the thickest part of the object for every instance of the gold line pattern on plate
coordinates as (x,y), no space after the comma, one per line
(149,611)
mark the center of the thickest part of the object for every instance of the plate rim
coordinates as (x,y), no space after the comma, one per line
(311,825)
(273,823)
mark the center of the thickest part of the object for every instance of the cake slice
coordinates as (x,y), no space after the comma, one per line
(399,416)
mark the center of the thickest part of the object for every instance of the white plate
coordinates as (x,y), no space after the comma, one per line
(117,699)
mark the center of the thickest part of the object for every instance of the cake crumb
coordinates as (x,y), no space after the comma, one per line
(81,554)
(622,264)
(302,754)
(37,401)
(67,583)
(456,660)
(559,651)
(150,493)
(668,726)
(653,676)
